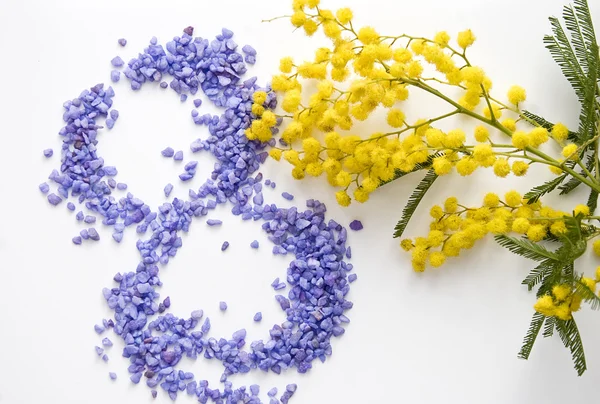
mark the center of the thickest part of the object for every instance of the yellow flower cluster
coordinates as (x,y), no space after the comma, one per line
(261,129)
(381,71)
(456,228)
(563,300)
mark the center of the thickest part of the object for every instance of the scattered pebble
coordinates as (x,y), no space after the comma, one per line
(178,156)
(54,199)
(48,153)
(44,187)
(168,152)
(71,206)
(197,102)
(356,225)
(112,375)
(107,342)
(117,61)
(214,222)
(258,316)
(93,234)
(76,240)
(168,189)
(122,41)
(115,76)
(225,245)
(287,196)
(222,306)
(254,244)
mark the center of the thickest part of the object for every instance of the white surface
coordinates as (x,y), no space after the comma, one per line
(446,336)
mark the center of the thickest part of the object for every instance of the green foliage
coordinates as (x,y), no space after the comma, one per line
(569,334)
(526,248)
(413,202)
(532,333)
(537,192)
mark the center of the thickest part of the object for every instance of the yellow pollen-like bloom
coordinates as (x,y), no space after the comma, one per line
(513,198)
(516,95)
(465,39)
(491,200)
(560,132)
(583,209)
(368,35)
(344,15)
(520,168)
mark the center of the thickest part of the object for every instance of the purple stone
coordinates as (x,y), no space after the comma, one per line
(356,225)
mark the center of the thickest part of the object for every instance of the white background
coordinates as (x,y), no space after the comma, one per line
(446,336)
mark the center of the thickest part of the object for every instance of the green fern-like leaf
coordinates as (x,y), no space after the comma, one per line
(526,248)
(592,201)
(569,334)
(573,183)
(560,49)
(532,333)
(413,202)
(536,193)
(553,277)
(537,274)
(549,327)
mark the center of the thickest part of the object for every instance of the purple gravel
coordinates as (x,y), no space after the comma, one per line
(71,206)
(107,342)
(197,102)
(273,184)
(93,234)
(168,152)
(44,187)
(54,199)
(117,61)
(105,358)
(168,189)
(156,341)
(79,216)
(186,176)
(258,316)
(287,196)
(121,186)
(89,219)
(214,222)
(112,375)
(254,244)
(222,306)
(48,153)
(122,41)
(76,240)
(178,156)
(183,97)
(99,328)
(352,278)
(99,351)
(356,225)
(225,245)
(115,76)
